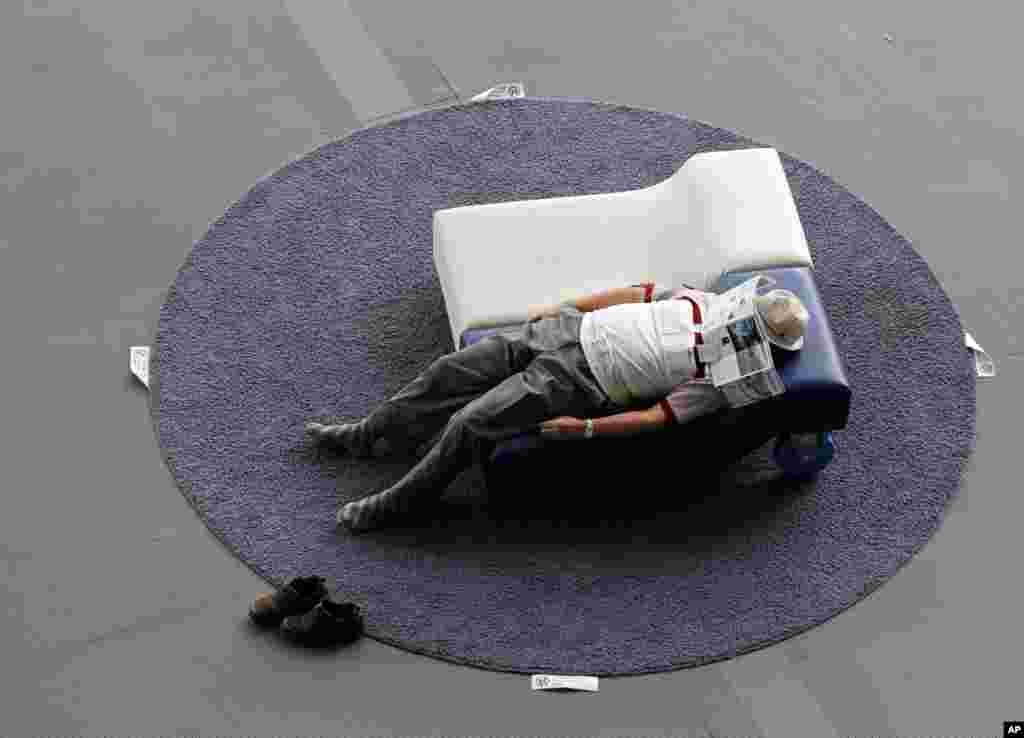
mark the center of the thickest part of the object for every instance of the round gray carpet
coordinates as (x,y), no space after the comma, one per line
(315,296)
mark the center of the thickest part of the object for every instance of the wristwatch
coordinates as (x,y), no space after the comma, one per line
(588,428)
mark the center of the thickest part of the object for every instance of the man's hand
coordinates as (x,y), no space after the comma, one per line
(562,428)
(536,312)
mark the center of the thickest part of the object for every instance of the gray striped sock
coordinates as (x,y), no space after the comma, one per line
(350,436)
(371,512)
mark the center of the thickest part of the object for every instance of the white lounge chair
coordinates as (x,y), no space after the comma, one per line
(722,216)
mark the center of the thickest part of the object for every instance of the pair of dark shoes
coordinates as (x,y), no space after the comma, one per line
(304,612)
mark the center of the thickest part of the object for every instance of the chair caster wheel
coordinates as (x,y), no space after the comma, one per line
(803,455)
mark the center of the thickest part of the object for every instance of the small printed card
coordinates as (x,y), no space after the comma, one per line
(983,364)
(555,681)
(508,89)
(140,363)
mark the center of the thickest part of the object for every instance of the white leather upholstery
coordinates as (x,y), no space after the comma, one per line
(721,211)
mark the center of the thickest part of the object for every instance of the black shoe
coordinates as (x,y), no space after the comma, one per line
(297,596)
(327,624)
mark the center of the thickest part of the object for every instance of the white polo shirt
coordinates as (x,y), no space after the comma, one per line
(645,351)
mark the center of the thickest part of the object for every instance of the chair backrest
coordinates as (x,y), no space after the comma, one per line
(741,210)
(720,211)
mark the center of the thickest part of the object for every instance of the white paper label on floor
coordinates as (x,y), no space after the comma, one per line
(140,363)
(508,89)
(983,363)
(555,681)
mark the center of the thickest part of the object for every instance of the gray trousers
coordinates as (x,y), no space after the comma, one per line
(468,401)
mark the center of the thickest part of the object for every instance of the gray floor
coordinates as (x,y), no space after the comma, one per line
(124,615)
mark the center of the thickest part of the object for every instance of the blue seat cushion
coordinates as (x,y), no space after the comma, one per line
(817,395)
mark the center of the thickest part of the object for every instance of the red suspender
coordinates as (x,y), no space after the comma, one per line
(668,411)
(699,339)
(648,289)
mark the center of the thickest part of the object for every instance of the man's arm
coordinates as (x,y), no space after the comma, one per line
(644,292)
(589,303)
(689,401)
(607,298)
(632,422)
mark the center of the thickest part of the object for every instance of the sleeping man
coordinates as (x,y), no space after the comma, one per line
(572,373)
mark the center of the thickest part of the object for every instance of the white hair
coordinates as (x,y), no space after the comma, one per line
(784,297)
(786,302)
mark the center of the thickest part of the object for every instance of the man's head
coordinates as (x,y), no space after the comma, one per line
(785,317)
